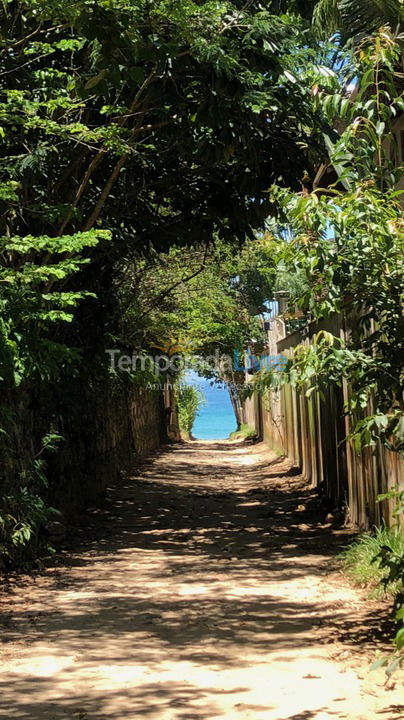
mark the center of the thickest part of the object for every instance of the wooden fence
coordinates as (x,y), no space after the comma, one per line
(312,433)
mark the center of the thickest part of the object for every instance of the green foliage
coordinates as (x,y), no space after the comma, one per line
(32,273)
(189,400)
(391,560)
(397,496)
(196,300)
(353,17)
(377,561)
(164,120)
(364,561)
(24,512)
(245,431)
(359,270)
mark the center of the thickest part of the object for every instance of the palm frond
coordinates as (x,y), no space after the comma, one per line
(353,17)
(327,17)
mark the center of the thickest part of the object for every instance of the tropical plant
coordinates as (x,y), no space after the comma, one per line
(198,299)
(24,510)
(363,561)
(390,558)
(355,17)
(33,303)
(376,561)
(348,239)
(189,400)
(150,118)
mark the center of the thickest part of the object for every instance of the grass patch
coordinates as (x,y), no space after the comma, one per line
(361,560)
(245,431)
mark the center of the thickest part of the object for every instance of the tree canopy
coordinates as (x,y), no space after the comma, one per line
(163,121)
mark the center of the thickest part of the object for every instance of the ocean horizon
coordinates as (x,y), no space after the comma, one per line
(216,419)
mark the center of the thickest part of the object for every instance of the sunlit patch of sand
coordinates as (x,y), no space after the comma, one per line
(189,605)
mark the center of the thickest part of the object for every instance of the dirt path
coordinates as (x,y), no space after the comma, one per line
(204,590)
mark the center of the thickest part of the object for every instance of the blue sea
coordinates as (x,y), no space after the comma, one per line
(216,419)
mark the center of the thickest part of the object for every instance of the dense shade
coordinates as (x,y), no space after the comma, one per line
(162,120)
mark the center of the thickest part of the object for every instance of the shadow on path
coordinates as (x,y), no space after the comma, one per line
(201,590)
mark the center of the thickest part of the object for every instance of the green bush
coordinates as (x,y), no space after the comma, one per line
(244,431)
(376,561)
(363,560)
(190,400)
(24,512)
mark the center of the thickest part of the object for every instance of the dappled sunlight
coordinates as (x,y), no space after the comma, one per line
(198,592)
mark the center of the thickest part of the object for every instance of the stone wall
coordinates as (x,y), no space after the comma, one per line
(105,429)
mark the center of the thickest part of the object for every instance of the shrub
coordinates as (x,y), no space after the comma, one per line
(24,512)
(190,400)
(363,560)
(244,431)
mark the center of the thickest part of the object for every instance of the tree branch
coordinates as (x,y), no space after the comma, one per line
(102,152)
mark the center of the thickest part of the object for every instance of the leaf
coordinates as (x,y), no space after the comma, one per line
(399,639)
(380,128)
(92,82)
(380,662)
(345,105)
(290,76)
(390,670)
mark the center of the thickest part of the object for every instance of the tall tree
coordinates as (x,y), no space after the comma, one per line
(162,122)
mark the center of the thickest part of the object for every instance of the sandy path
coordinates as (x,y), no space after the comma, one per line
(203,590)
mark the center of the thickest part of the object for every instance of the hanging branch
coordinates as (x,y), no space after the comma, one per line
(102,152)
